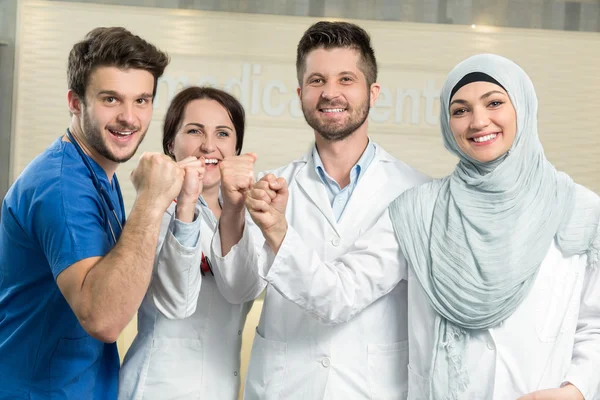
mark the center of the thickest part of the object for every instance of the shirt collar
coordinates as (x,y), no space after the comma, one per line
(358,169)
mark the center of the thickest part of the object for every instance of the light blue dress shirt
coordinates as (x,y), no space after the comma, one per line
(339,197)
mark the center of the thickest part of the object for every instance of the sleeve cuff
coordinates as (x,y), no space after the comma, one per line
(187,233)
(580,383)
(270,259)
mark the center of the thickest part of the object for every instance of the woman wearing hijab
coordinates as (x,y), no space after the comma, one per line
(503,254)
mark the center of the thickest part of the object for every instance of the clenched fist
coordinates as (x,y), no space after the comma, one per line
(192,187)
(157,180)
(237,177)
(266,203)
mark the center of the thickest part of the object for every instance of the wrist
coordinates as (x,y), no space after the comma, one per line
(232,207)
(151,210)
(185,211)
(275,234)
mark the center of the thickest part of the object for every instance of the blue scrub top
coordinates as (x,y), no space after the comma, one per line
(51,218)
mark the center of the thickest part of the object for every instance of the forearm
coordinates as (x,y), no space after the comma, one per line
(334,291)
(231,229)
(184,211)
(275,235)
(114,287)
(236,273)
(177,279)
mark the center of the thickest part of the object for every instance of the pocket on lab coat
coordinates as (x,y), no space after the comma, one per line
(265,372)
(418,387)
(555,301)
(388,373)
(175,369)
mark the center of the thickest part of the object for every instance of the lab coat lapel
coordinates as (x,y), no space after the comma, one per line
(374,191)
(308,180)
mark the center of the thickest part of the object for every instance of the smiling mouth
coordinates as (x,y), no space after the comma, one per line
(123,133)
(332,110)
(485,138)
(211,161)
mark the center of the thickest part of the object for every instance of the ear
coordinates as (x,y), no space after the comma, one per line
(299,92)
(75,104)
(375,89)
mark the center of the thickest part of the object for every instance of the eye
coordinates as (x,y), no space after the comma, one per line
(346,79)
(223,134)
(315,81)
(110,99)
(458,112)
(495,103)
(141,101)
(194,132)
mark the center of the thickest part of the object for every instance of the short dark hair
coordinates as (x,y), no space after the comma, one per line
(180,101)
(329,35)
(112,47)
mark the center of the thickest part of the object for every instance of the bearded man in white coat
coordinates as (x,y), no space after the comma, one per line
(322,334)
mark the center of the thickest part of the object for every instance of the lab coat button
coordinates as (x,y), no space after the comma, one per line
(239,333)
(490,345)
(335,241)
(326,362)
(234,373)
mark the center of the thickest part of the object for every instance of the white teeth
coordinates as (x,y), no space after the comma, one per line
(123,133)
(211,161)
(485,138)
(333,110)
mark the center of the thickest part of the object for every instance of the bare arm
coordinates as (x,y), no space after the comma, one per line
(105,292)
(237,176)
(231,228)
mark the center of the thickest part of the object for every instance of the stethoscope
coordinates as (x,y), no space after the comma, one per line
(105,198)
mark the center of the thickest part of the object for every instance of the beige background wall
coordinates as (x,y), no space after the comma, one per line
(253,56)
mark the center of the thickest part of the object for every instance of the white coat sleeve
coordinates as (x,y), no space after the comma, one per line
(236,274)
(176,281)
(585,362)
(334,292)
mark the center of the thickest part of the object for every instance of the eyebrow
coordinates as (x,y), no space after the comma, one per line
(202,126)
(117,94)
(314,74)
(347,73)
(485,96)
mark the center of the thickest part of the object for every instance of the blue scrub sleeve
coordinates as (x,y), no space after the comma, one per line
(68,222)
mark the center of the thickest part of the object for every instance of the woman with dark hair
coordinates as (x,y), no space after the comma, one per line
(189,337)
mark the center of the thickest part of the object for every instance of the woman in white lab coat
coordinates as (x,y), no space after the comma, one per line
(189,336)
(503,254)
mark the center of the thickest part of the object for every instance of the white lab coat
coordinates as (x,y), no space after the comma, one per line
(189,337)
(320,336)
(553,337)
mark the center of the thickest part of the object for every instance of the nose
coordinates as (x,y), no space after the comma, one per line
(208,144)
(480,119)
(127,116)
(330,91)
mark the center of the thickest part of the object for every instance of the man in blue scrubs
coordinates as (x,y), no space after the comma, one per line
(72,275)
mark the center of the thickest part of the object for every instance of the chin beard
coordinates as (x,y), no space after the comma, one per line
(95,140)
(333,132)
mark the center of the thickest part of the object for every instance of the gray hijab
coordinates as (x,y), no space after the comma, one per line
(476,238)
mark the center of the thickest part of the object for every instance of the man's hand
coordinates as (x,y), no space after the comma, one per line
(191,188)
(157,180)
(567,392)
(266,202)
(237,177)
